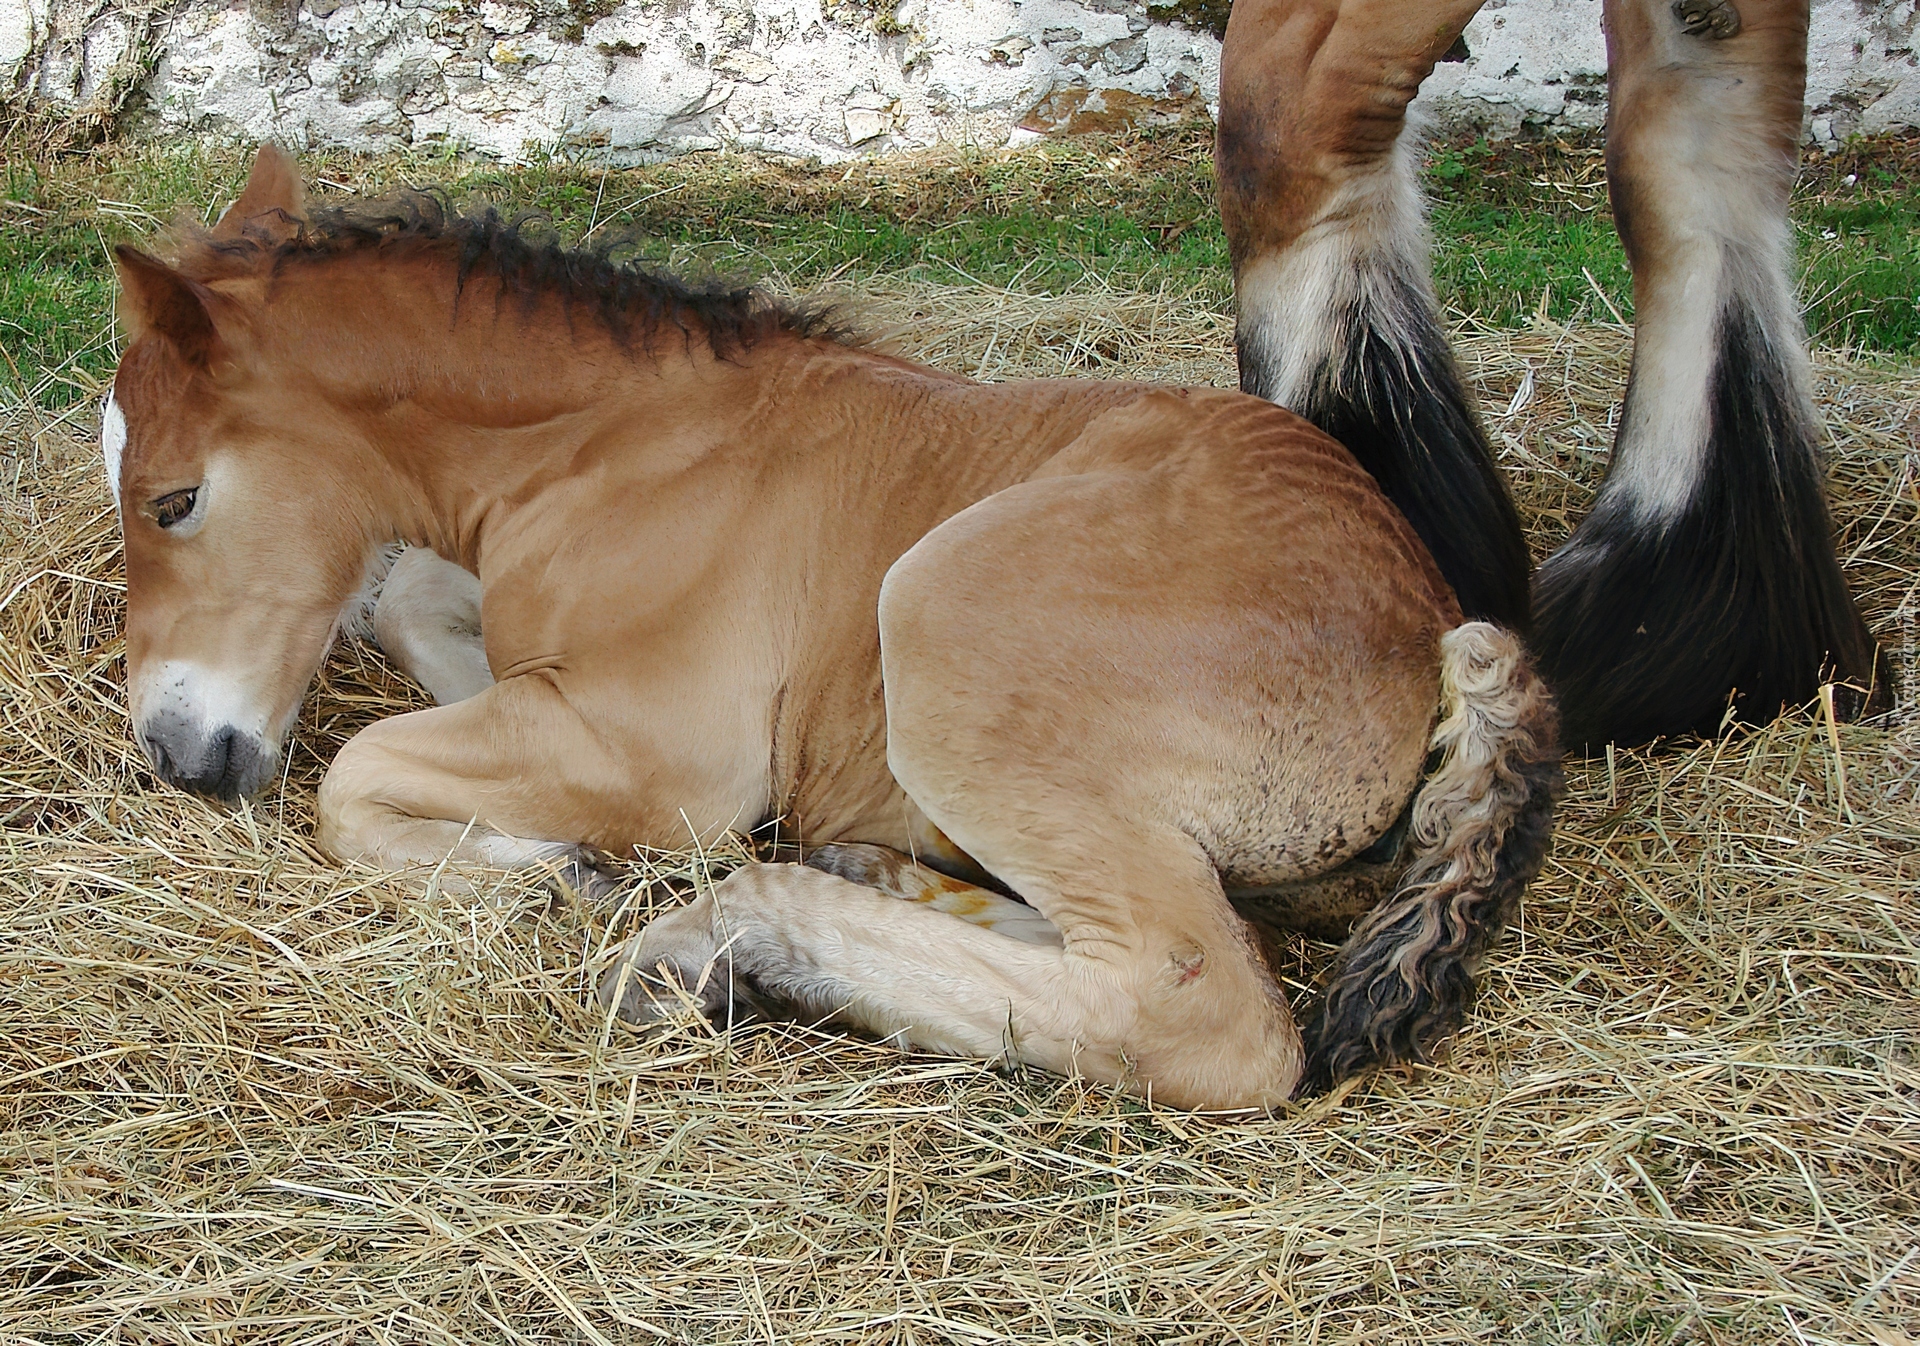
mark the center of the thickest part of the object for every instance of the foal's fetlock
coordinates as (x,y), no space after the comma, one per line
(675,965)
(587,874)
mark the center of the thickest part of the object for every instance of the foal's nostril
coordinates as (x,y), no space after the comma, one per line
(223,762)
(212,775)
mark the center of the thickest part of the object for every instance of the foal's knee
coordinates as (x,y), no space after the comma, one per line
(374,804)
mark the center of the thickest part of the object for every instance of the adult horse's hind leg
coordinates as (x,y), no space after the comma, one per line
(1707,568)
(1338,319)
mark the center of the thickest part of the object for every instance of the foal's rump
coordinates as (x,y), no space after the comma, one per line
(1280,619)
(1210,614)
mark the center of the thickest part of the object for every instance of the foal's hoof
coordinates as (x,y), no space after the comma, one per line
(641,994)
(857,862)
(1707,18)
(588,875)
(672,966)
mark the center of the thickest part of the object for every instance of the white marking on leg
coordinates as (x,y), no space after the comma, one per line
(499,851)
(1296,306)
(356,617)
(1734,248)
(827,947)
(113,443)
(1290,314)
(1661,448)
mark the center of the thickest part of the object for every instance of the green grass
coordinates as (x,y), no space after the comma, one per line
(1518,230)
(1516,223)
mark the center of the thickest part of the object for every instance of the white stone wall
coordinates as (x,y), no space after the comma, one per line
(1544,62)
(825,78)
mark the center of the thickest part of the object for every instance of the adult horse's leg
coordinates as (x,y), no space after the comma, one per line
(1706,569)
(1318,190)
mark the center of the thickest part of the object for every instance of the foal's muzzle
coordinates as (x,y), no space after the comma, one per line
(222,761)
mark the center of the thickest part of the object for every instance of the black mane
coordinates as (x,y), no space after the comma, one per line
(634,302)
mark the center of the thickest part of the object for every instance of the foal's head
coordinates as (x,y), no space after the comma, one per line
(264,441)
(238,509)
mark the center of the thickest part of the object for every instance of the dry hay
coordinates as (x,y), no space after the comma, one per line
(245,1095)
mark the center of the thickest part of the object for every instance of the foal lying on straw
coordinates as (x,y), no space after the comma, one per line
(1123,648)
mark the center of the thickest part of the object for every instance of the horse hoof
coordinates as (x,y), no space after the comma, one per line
(639,996)
(588,876)
(856,862)
(674,966)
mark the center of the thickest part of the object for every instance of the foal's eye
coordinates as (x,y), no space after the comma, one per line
(169,509)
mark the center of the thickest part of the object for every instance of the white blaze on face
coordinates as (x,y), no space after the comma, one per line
(113,443)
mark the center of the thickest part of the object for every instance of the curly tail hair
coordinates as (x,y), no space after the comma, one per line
(1481,825)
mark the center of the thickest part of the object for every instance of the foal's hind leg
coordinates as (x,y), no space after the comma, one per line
(1180,1006)
(686,947)
(1707,566)
(428,622)
(905,878)
(1338,320)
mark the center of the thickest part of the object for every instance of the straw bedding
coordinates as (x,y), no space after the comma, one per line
(245,1095)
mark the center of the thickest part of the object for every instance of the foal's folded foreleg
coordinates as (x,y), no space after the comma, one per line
(1706,569)
(428,622)
(506,779)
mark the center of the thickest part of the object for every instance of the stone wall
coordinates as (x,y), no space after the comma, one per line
(638,79)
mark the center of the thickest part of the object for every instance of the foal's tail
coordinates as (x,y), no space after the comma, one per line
(1480,828)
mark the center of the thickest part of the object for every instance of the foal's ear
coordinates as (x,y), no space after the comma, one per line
(158,299)
(271,201)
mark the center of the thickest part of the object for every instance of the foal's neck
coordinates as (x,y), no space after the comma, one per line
(472,417)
